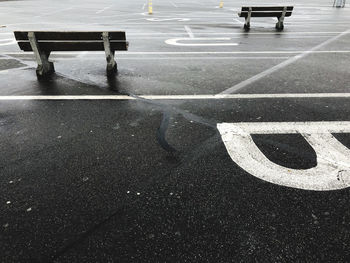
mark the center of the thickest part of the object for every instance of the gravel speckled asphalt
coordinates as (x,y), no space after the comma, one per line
(150,180)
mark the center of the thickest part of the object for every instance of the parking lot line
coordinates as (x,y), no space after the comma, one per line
(189,31)
(103,9)
(54,12)
(177,97)
(173,58)
(283,64)
(194,52)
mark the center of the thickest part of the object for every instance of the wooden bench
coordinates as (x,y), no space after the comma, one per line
(266,11)
(42,43)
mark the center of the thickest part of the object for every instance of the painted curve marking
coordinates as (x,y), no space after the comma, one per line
(332,171)
(223,42)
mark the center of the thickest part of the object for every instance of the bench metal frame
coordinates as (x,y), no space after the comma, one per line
(45,67)
(111,64)
(279,24)
(247,19)
(335,2)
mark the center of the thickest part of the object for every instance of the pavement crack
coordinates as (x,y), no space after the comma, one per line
(71,245)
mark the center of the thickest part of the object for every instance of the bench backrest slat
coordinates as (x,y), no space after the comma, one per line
(74,46)
(267,8)
(265,11)
(264,14)
(47,35)
(72,41)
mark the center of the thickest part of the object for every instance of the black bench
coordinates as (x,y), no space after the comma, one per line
(266,11)
(42,43)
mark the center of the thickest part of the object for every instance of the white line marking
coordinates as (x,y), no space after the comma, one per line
(170,58)
(292,127)
(333,158)
(52,13)
(226,52)
(191,52)
(178,97)
(250,33)
(104,9)
(5,71)
(286,63)
(174,5)
(238,21)
(167,19)
(189,32)
(175,42)
(10,41)
(82,54)
(231,36)
(209,33)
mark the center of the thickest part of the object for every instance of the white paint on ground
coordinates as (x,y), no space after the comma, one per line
(5,71)
(174,58)
(104,9)
(238,21)
(175,42)
(82,54)
(239,33)
(332,171)
(192,52)
(177,97)
(168,19)
(189,31)
(284,64)
(51,13)
(7,42)
(173,4)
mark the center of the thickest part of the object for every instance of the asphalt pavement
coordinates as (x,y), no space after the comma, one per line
(211,144)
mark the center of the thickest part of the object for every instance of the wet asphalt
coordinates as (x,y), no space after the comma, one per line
(148,180)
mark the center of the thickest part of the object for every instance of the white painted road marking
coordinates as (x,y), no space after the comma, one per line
(192,52)
(7,41)
(104,9)
(174,5)
(189,31)
(171,58)
(283,64)
(175,42)
(178,97)
(333,158)
(168,19)
(52,13)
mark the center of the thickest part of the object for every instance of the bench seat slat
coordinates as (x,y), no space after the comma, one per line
(74,46)
(264,14)
(267,8)
(50,35)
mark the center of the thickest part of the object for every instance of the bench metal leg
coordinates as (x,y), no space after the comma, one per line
(247,19)
(279,25)
(45,67)
(339,3)
(111,64)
